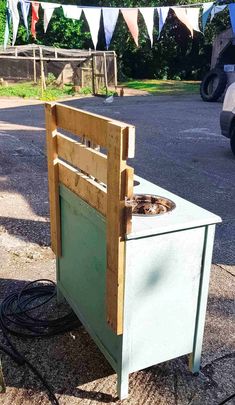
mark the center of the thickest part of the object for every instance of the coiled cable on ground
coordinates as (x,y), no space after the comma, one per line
(16,318)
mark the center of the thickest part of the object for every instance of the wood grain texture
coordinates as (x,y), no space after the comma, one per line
(53,183)
(83,123)
(118,187)
(85,187)
(82,157)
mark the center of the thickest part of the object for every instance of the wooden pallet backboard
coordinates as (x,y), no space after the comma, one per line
(103,181)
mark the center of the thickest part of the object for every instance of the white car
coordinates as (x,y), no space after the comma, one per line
(227,116)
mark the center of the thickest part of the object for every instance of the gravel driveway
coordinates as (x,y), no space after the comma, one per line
(179,147)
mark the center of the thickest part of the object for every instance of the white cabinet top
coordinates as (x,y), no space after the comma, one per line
(186,215)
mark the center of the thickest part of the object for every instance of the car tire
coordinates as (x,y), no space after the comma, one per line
(213,85)
(232,139)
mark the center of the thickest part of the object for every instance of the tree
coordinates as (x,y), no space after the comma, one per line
(175,55)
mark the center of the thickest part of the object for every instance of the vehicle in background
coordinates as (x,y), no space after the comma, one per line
(227,116)
(222,72)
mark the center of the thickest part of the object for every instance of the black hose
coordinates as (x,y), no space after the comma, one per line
(16,318)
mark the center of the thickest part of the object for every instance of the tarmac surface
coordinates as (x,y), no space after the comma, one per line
(178,147)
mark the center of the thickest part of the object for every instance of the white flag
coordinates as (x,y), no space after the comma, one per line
(73,12)
(13,8)
(93,15)
(162,13)
(193,17)
(48,11)
(110,16)
(148,15)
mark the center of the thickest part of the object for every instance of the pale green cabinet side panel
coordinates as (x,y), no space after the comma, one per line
(161,294)
(82,268)
(195,357)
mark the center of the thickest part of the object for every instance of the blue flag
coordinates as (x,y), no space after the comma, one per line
(231,8)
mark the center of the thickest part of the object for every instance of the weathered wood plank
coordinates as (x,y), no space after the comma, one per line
(92,126)
(51,130)
(86,159)
(86,188)
(118,186)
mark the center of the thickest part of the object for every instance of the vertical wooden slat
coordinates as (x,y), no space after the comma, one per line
(117,188)
(53,177)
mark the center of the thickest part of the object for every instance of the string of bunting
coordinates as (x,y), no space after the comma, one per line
(187,14)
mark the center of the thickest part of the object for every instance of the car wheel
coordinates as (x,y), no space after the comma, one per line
(232,139)
(213,85)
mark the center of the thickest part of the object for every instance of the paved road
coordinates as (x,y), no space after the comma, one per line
(179,147)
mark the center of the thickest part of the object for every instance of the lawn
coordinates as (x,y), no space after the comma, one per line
(53,92)
(30,90)
(158,87)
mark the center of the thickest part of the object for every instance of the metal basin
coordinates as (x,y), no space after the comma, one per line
(150,205)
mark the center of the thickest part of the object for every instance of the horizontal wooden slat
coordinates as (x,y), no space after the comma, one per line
(83,123)
(82,157)
(89,190)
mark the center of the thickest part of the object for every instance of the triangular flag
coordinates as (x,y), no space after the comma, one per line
(7,28)
(207,7)
(13,9)
(73,12)
(35,18)
(148,15)
(25,12)
(231,8)
(48,11)
(162,13)
(193,17)
(181,14)
(130,16)
(217,9)
(110,16)
(93,15)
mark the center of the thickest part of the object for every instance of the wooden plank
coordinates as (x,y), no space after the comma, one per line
(82,157)
(52,156)
(83,123)
(86,188)
(118,186)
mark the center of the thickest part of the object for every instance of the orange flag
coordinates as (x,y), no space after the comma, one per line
(35,18)
(130,16)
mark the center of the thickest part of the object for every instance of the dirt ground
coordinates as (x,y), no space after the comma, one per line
(71,363)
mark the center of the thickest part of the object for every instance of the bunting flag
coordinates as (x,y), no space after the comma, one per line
(162,13)
(93,15)
(13,9)
(231,8)
(7,28)
(216,9)
(35,18)
(193,17)
(181,14)
(207,7)
(130,15)
(110,16)
(73,12)
(148,15)
(48,11)
(25,12)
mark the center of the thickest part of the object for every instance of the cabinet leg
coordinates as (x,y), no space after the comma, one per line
(122,384)
(195,356)
(194,362)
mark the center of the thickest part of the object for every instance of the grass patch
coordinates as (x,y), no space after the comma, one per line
(30,90)
(159,87)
